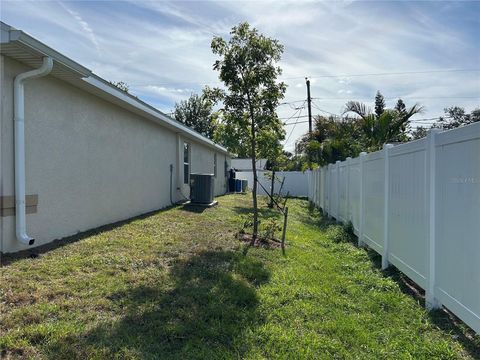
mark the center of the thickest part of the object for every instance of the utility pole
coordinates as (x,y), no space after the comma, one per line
(309,102)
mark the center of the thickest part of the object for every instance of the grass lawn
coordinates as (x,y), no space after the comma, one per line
(178,284)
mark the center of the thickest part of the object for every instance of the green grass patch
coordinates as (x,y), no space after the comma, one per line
(177,284)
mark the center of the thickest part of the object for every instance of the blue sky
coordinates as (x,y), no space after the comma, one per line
(162,49)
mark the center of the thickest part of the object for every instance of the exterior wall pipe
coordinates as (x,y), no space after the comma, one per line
(19,120)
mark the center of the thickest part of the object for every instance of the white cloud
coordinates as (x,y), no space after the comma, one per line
(83,24)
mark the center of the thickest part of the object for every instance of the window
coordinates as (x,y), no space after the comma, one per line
(186,163)
(215,165)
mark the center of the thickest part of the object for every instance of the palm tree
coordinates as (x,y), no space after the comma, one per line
(389,126)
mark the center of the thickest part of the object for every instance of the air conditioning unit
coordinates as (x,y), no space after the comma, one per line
(202,188)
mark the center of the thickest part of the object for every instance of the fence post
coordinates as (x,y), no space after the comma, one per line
(319,172)
(349,214)
(337,200)
(309,187)
(386,199)
(318,186)
(314,190)
(329,190)
(361,224)
(322,187)
(431,302)
(285,219)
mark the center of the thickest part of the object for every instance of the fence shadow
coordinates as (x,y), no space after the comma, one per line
(203,314)
(314,217)
(442,318)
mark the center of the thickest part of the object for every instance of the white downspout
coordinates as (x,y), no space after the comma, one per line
(19,120)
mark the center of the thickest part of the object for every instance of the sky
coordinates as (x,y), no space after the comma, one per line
(422,52)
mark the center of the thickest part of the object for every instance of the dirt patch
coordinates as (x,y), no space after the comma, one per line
(260,242)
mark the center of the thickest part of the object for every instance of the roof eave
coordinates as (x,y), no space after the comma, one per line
(28,41)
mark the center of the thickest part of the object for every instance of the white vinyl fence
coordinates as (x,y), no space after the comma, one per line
(418,205)
(295,182)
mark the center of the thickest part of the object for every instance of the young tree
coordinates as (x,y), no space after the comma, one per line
(232,136)
(197,113)
(275,161)
(247,67)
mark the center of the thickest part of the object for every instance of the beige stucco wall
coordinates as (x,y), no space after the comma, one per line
(90,162)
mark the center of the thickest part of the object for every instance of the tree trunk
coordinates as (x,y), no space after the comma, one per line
(254,188)
(272,188)
(254,169)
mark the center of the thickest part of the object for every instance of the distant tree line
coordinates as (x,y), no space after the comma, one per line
(359,129)
(336,138)
(454,117)
(197,113)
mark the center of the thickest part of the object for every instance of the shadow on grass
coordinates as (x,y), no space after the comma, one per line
(7,259)
(314,217)
(203,315)
(264,212)
(194,208)
(442,318)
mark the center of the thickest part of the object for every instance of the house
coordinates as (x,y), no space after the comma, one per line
(77,152)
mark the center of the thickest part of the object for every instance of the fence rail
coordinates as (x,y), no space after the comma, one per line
(417,205)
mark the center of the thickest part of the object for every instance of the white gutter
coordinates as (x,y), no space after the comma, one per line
(19,119)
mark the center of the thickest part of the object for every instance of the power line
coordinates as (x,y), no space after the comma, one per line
(389,98)
(288,118)
(416,120)
(399,97)
(325,111)
(294,107)
(292,102)
(433,71)
(297,122)
(298,110)
(386,98)
(294,125)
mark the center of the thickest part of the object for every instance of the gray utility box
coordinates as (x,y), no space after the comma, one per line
(202,188)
